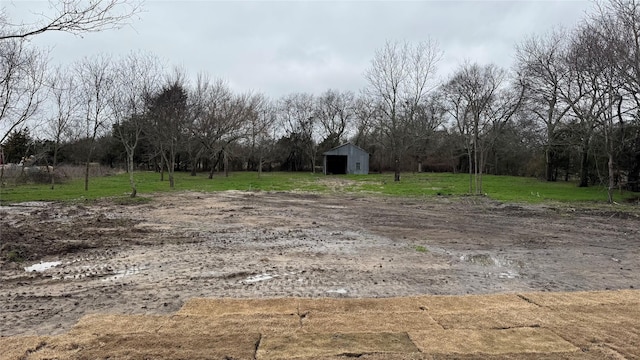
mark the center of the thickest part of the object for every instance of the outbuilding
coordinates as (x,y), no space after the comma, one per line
(346,159)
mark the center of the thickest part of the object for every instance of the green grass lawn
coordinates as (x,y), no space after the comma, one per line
(502,188)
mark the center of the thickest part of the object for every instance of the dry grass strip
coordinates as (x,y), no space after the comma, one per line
(368,322)
(153,346)
(218,307)
(377,356)
(616,326)
(508,341)
(622,338)
(381,305)
(585,298)
(17,347)
(588,354)
(453,304)
(610,313)
(493,318)
(180,325)
(333,344)
(262,323)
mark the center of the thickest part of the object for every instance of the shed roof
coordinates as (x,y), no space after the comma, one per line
(343,145)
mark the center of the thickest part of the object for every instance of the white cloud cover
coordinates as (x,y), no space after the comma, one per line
(278,47)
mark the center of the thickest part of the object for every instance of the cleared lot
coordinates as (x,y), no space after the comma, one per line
(150,259)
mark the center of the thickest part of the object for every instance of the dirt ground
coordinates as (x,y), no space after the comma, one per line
(151,258)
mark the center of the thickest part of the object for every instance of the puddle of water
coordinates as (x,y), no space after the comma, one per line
(40,204)
(42,266)
(480,259)
(257,278)
(126,272)
(338,291)
(508,275)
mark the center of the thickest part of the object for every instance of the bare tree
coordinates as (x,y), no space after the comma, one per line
(198,109)
(65,111)
(167,117)
(297,119)
(399,79)
(456,105)
(366,113)
(586,92)
(335,112)
(137,78)
(96,85)
(429,117)
(220,120)
(261,117)
(22,69)
(617,26)
(75,17)
(540,62)
(482,104)
(617,22)
(22,76)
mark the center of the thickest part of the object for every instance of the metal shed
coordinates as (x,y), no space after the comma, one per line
(346,159)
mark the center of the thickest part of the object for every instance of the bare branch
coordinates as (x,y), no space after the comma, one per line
(76,17)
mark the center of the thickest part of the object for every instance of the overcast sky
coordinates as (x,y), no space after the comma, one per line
(279,47)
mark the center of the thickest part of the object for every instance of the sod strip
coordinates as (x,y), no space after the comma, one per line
(508,341)
(469,303)
(492,318)
(368,322)
(218,307)
(333,344)
(584,298)
(384,305)
(20,347)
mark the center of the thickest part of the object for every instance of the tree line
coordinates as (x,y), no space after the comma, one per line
(567,109)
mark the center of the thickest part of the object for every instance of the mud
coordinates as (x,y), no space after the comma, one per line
(152,257)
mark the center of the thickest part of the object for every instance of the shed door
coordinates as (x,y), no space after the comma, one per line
(336,164)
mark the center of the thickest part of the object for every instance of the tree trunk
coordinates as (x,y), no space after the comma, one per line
(470,156)
(161,167)
(396,174)
(132,182)
(584,169)
(55,164)
(548,173)
(611,186)
(476,165)
(479,172)
(226,164)
(194,166)
(86,170)
(172,166)
(633,179)
(260,165)
(212,168)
